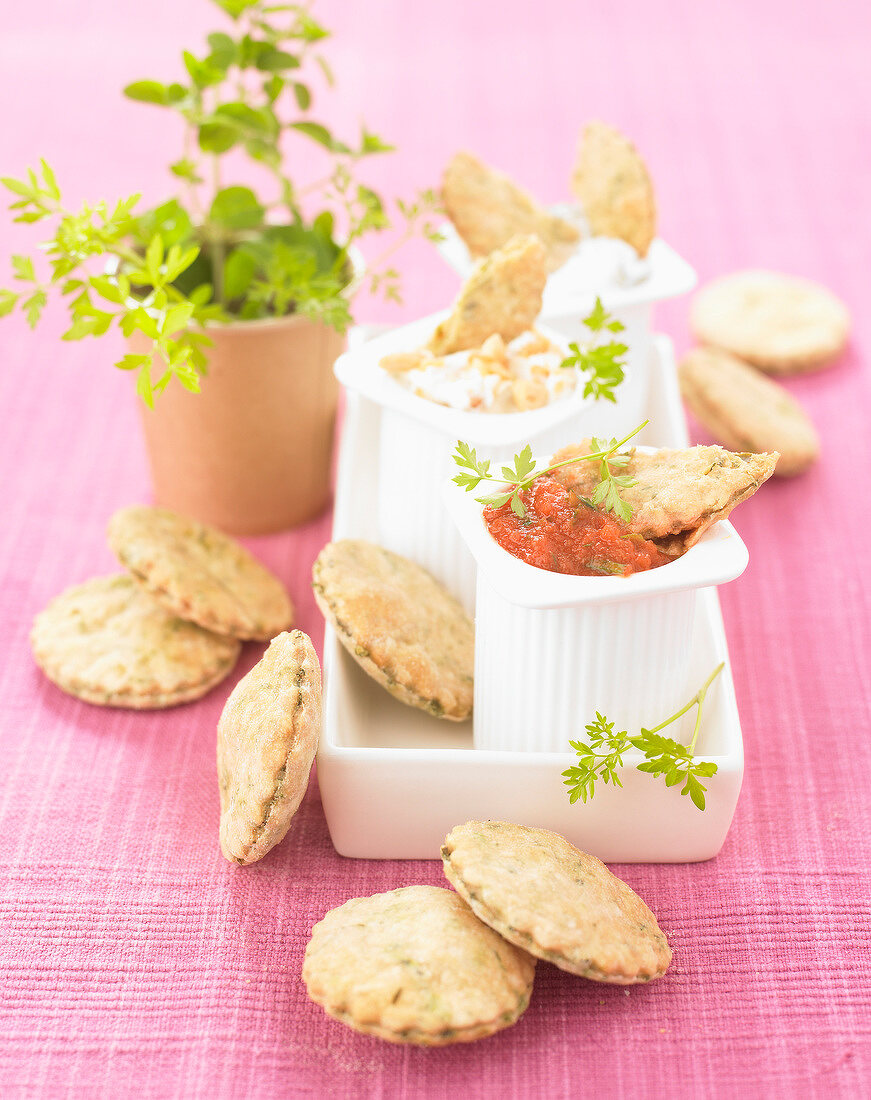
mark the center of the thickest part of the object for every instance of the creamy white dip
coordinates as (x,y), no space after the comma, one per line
(495,378)
(597,264)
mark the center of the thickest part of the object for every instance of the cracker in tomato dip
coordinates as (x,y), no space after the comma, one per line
(678,494)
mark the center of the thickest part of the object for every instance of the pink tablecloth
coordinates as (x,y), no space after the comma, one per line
(135,960)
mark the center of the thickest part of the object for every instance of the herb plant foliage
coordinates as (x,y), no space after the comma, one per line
(218,250)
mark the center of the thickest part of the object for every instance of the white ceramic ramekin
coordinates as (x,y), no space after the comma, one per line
(551,650)
(628,286)
(418,437)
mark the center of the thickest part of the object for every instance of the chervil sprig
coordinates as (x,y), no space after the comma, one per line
(601,755)
(603,363)
(593,764)
(521,476)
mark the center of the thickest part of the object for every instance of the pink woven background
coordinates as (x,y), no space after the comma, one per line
(135,960)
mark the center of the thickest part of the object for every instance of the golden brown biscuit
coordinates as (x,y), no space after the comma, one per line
(560,904)
(746,411)
(614,188)
(416,965)
(200,573)
(267,739)
(678,494)
(488,209)
(502,295)
(399,624)
(108,642)
(781,324)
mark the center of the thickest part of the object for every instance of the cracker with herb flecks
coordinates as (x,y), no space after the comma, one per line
(747,411)
(556,902)
(488,209)
(108,642)
(614,188)
(399,624)
(677,494)
(267,739)
(415,965)
(199,573)
(781,324)
(502,296)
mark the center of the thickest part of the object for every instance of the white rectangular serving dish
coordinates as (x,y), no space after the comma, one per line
(394,780)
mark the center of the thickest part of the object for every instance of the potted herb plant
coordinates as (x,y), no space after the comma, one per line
(234,302)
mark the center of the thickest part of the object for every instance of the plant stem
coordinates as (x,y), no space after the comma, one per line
(698,698)
(379,260)
(597,456)
(318,185)
(192,189)
(216,243)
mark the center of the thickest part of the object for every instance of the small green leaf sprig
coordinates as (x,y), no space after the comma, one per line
(603,363)
(519,478)
(133,290)
(601,756)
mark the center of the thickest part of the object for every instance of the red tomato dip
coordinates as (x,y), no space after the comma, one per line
(565,533)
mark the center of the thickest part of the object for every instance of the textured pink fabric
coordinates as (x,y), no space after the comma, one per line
(135,960)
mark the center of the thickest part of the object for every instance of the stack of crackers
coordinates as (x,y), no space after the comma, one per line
(170,628)
(427,966)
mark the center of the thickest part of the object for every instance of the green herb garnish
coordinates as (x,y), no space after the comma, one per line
(603,363)
(606,493)
(601,757)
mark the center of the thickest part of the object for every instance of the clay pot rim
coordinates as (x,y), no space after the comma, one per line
(239,326)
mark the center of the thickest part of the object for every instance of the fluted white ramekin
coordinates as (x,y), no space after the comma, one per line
(551,650)
(418,438)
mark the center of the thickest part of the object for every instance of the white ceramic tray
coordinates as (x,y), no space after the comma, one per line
(394,780)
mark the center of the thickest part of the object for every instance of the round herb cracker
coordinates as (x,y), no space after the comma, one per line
(400,625)
(108,642)
(267,739)
(415,965)
(779,323)
(556,902)
(747,411)
(200,574)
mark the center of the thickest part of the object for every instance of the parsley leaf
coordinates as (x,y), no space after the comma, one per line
(603,363)
(524,472)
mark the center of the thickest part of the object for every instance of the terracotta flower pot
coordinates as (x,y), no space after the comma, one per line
(252,452)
